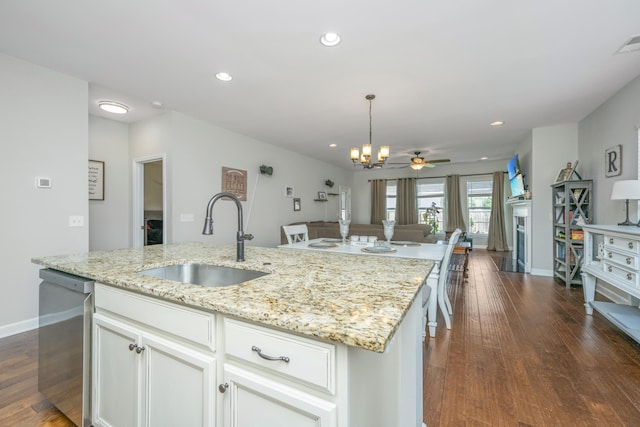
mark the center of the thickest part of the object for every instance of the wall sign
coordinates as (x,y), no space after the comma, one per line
(613,161)
(234,181)
(96,180)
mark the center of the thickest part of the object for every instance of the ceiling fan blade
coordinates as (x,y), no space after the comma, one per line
(438,161)
(429,165)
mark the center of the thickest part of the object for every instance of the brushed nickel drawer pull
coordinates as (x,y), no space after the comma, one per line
(630,244)
(629,276)
(609,254)
(611,240)
(609,269)
(140,349)
(629,260)
(132,346)
(223,387)
(267,357)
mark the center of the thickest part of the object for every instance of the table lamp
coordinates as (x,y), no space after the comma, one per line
(626,190)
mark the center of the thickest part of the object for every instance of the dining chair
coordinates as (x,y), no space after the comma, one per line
(296,233)
(443,296)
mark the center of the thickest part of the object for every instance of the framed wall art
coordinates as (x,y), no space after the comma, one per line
(613,161)
(96,180)
(296,204)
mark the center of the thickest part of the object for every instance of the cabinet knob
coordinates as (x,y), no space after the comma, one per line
(629,260)
(609,269)
(140,349)
(611,240)
(223,387)
(609,254)
(629,276)
(132,346)
(630,244)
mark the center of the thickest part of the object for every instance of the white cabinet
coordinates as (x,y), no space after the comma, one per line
(142,378)
(253,400)
(612,256)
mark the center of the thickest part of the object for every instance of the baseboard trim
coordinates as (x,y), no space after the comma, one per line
(18,327)
(541,272)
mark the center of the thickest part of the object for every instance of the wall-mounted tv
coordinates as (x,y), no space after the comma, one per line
(513,167)
(516,180)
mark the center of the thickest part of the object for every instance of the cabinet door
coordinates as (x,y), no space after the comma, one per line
(255,401)
(115,396)
(179,385)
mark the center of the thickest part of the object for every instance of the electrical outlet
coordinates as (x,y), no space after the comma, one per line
(76,221)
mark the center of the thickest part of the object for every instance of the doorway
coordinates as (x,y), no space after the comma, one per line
(149,204)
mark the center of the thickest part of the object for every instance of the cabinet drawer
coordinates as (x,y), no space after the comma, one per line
(192,325)
(628,261)
(627,276)
(309,361)
(621,243)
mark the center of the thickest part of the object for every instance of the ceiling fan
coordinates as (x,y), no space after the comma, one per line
(418,162)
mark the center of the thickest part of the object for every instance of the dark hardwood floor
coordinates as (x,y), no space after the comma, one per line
(521,352)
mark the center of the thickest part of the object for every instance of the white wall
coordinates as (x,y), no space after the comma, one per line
(552,148)
(43,132)
(196,152)
(109,218)
(614,122)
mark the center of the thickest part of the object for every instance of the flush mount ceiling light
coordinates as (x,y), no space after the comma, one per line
(334,145)
(225,77)
(365,158)
(497,123)
(330,39)
(113,107)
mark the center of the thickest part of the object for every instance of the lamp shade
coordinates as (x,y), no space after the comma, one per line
(626,190)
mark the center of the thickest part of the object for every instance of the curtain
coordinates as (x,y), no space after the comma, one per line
(378,200)
(454,207)
(406,202)
(497,233)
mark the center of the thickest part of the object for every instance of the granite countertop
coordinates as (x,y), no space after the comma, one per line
(358,302)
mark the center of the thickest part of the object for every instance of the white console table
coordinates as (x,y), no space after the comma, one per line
(616,261)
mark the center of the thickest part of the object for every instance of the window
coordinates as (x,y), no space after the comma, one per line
(428,193)
(479,206)
(392,191)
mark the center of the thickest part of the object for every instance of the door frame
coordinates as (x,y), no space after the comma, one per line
(138,198)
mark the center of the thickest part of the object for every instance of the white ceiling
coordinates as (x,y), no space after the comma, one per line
(441,71)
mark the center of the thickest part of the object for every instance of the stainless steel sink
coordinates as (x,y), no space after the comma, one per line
(203,274)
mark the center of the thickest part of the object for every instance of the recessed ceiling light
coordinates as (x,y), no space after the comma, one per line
(225,77)
(497,123)
(333,145)
(156,104)
(330,39)
(484,158)
(113,107)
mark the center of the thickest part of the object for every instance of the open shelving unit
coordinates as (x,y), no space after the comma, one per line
(571,200)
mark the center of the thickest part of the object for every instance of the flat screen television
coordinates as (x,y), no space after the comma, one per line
(517,185)
(513,167)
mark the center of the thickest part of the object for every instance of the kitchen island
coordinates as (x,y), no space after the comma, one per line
(360,314)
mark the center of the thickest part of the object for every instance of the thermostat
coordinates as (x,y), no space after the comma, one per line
(43,182)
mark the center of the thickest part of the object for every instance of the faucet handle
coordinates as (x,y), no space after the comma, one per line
(248,237)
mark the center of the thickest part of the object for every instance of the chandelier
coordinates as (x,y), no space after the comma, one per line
(365,158)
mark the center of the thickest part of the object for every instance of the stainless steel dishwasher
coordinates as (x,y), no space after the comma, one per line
(64,352)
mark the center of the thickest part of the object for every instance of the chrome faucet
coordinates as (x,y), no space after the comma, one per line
(240,236)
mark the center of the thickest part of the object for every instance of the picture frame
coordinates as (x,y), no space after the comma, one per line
(613,161)
(322,195)
(561,175)
(96,180)
(296,204)
(288,191)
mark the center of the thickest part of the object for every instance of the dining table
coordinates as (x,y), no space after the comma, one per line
(396,249)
